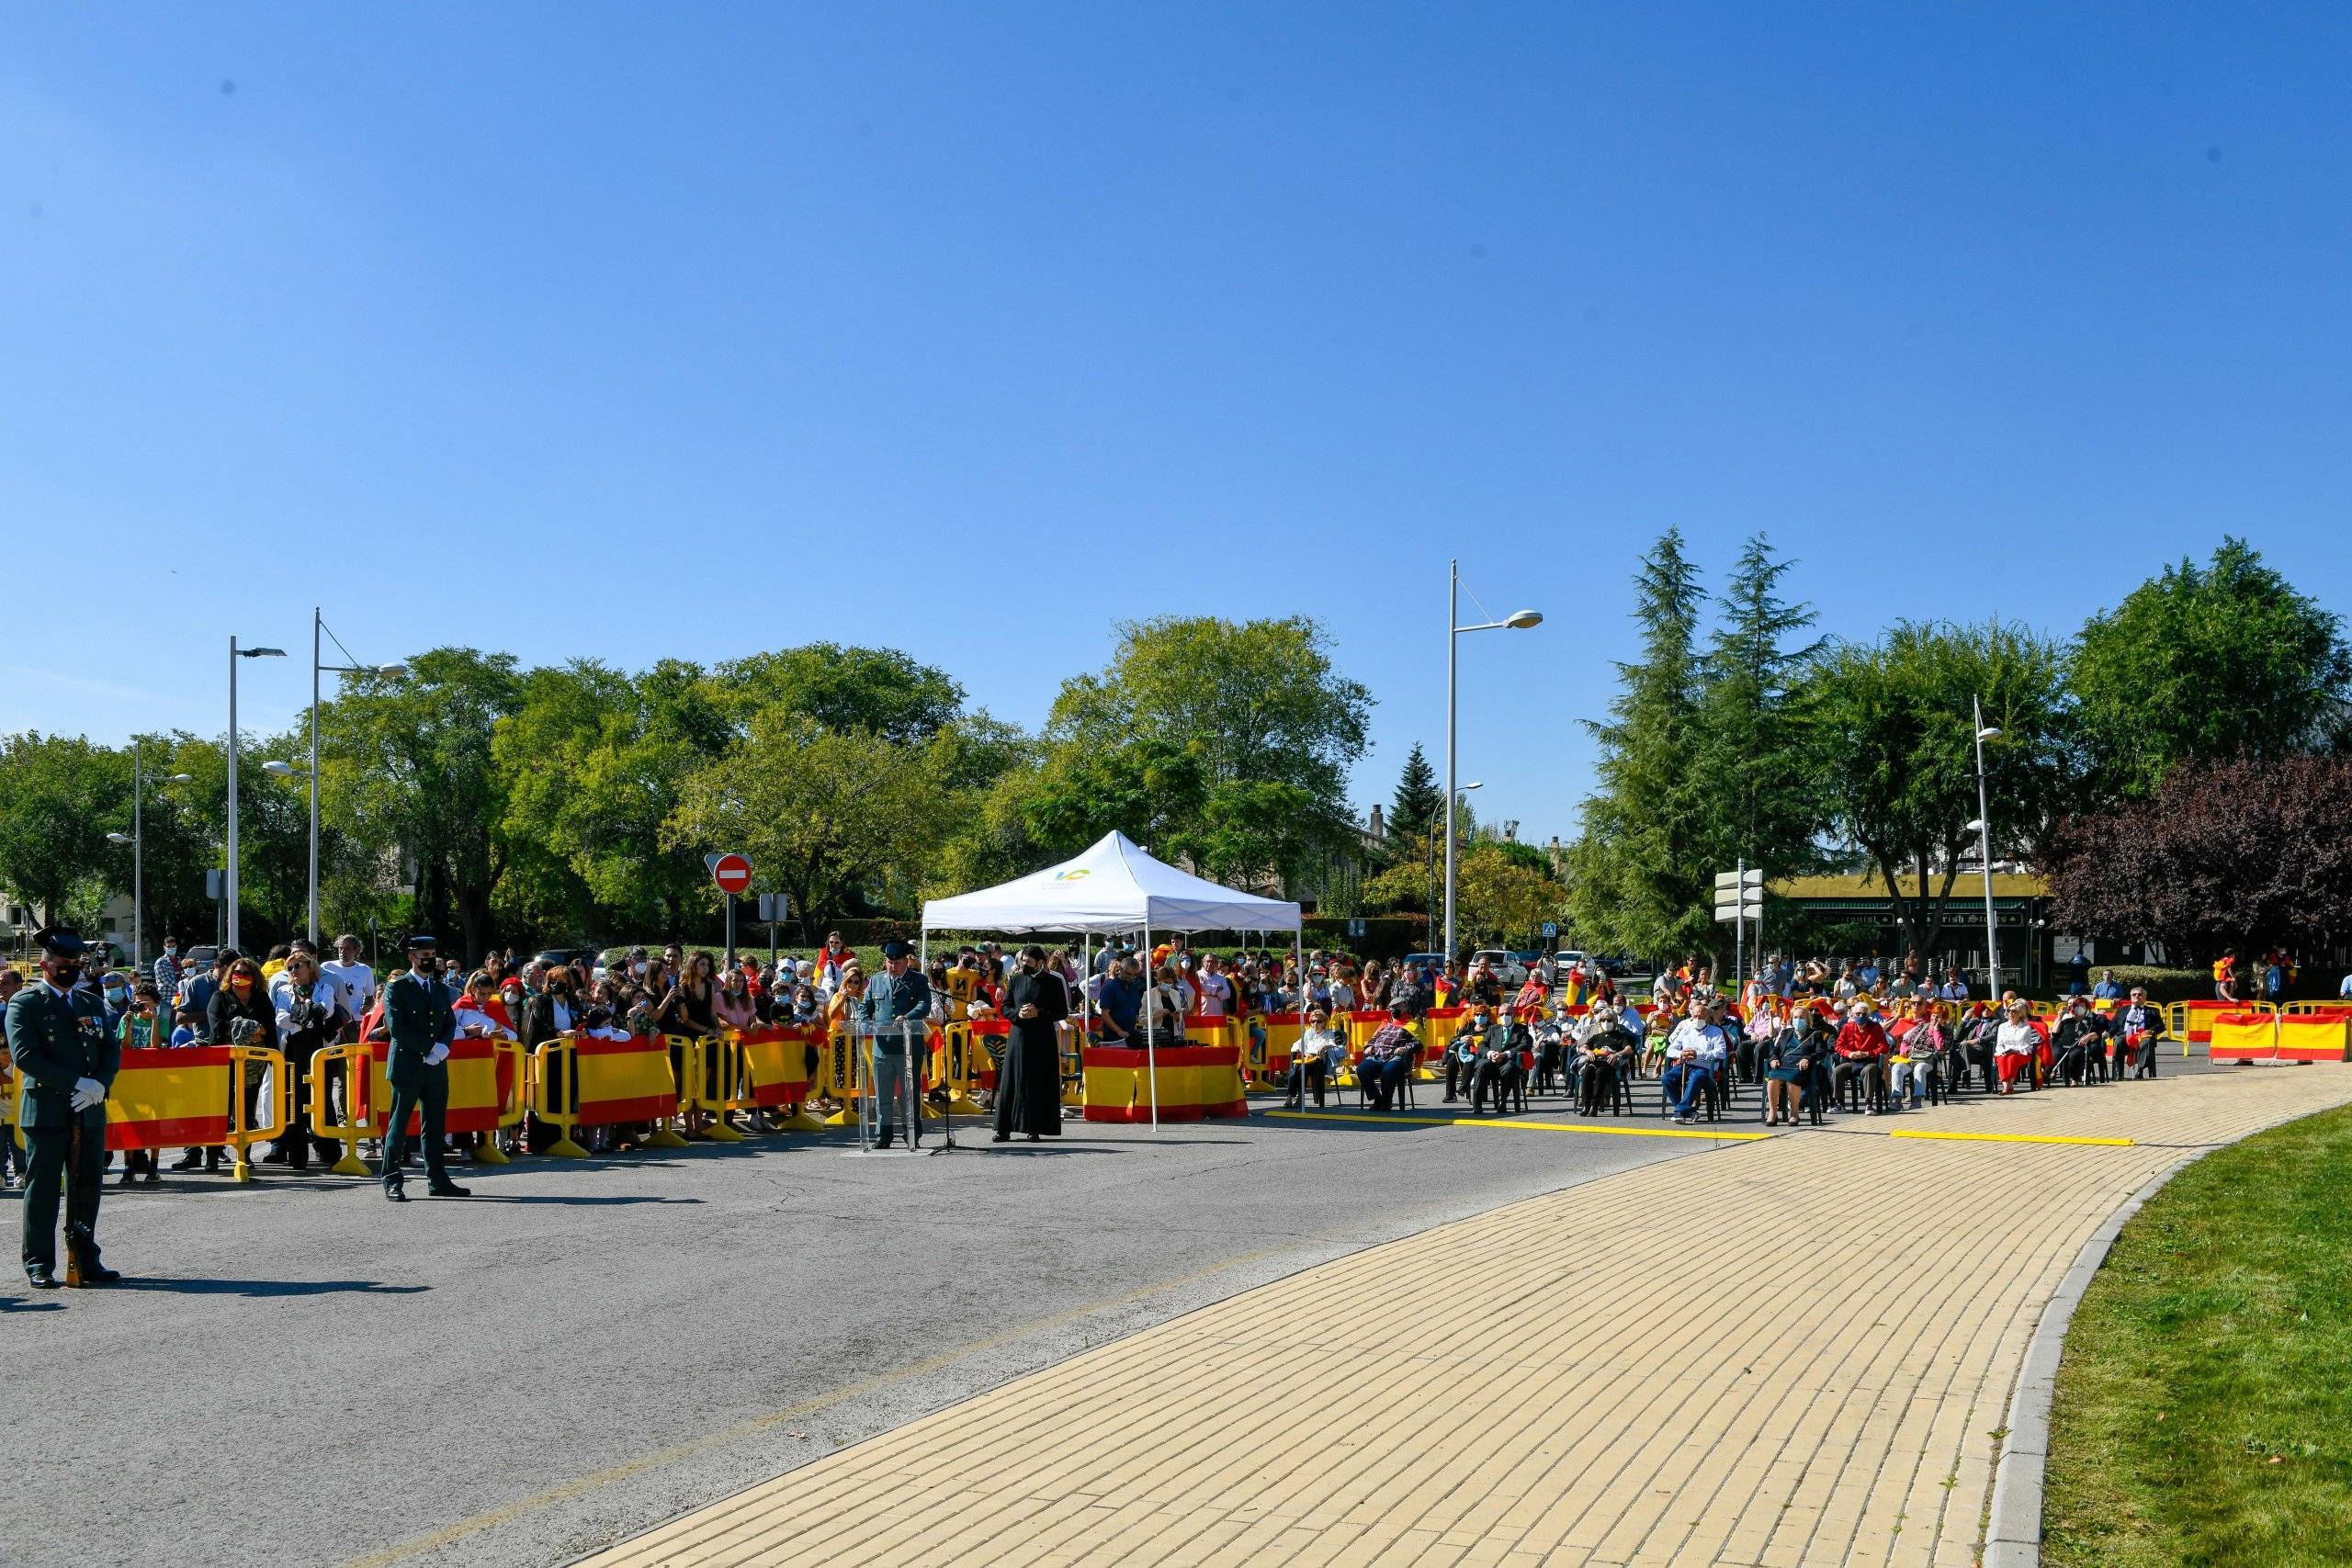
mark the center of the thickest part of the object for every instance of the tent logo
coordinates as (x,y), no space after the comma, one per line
(1073,876)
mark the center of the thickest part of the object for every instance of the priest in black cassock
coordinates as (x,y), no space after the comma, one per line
(1029,1084)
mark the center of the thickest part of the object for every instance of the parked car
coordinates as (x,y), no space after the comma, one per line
(1567,958)
(1505,964)
(585,958)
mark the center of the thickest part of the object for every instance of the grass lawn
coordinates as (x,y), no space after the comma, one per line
(2204,1405)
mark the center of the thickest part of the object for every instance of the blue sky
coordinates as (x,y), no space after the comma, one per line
(636,331)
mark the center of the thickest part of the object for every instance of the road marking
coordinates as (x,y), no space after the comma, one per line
(1525,1126)
(2017,1138)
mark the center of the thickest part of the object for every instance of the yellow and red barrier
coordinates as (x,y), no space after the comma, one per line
(775,1064)
(960,1061)
(2193,1021)
(196,1095)
(333,1066)
(1193,1082)
(713,1080)
(2274,1037)
(487,1081)
(1269,1058)
(843,1075)
(579,1081)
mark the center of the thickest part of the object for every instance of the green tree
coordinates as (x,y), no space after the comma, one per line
(593,762)
(825,815)
(182,825)
(1751,760)
(875,689)
(1227,742)
(2227,660)
(1640,875)
(59,795)
(1418,798)
(1897,759)
(1499,898)
(410,773)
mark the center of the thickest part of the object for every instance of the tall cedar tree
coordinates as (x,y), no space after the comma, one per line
(1753,762)
(1639,877)
(1418,800)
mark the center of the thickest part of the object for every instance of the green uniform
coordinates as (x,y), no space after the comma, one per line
(56,1042)
(417,1017)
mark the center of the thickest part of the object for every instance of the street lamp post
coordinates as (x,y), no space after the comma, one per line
(229,883)
(138,842)
(1458,794)
(1983,825)
(284,769)
(1518,620)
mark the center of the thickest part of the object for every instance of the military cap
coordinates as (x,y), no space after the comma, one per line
(59,943)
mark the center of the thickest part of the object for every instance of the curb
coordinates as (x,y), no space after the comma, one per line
(2013,1518)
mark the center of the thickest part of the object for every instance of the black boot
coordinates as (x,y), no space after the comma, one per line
(883,1139)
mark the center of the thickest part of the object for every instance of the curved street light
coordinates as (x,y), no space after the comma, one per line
(1517,620)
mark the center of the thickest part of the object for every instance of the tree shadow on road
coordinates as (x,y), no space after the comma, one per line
(267,1287)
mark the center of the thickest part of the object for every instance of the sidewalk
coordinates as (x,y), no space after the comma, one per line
(1794,1351)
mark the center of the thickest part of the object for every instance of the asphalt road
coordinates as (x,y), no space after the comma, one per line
(301,1369)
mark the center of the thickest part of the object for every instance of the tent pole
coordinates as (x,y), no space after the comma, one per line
(1151,1034)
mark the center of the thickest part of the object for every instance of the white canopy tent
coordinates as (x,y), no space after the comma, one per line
(1111,887)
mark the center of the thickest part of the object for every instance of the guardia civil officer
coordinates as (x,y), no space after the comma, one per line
(421,1023)
(66,1060)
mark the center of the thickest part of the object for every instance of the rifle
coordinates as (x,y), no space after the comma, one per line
(73,1164)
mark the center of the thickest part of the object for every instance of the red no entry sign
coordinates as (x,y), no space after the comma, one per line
(732,873)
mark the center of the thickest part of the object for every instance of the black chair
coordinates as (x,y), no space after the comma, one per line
(1848,1092)
(1404,1085)
(1713,1099)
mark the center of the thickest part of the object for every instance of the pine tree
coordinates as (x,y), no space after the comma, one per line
(1418,800)
(1752,760)
(1640,881)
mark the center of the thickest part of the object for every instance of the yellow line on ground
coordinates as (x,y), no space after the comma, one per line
(1526,1126)
(2017,1138)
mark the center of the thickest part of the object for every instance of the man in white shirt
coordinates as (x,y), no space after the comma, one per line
(2345,989)
(1215,990)
(1696,1053)
(354,982)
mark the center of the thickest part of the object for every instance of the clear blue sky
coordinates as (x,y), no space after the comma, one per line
(634,331)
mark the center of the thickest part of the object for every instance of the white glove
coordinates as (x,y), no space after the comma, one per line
(88,1092)
(438,1055)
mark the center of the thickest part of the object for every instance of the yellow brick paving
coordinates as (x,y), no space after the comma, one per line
(1779,1353)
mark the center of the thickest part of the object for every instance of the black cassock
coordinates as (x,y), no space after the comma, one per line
(1029,1088)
